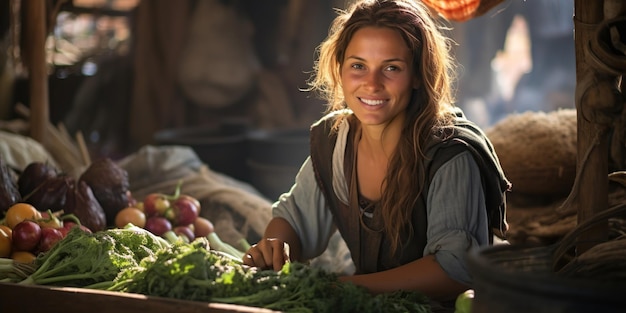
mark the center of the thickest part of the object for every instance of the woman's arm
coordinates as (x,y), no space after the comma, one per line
(280,244)
(424,275)
(301,222)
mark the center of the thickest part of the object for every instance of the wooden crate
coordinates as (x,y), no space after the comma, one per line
(15,298)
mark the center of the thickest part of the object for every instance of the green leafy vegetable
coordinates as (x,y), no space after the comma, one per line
(191,271)
(139,241)
(82,259)
(134,260)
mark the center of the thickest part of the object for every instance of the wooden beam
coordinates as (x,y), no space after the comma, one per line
(36,33)
(593,179)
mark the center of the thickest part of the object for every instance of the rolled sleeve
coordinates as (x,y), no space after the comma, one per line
(457,218)
(304,207)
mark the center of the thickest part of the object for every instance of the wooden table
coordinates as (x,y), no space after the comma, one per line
(15,298)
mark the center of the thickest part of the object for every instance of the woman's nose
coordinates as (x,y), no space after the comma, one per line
(373,80)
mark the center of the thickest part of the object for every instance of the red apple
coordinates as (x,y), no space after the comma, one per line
(184,211)
(191,199)
(26,235)
(49,237)
(158,225)
(155,204)
(67,225)
(185,231)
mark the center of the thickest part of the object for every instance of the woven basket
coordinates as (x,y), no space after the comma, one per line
(537,151)
(547,279)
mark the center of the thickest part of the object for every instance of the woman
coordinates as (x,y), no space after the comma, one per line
(409,183)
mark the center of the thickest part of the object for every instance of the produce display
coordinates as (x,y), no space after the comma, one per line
(41,205)
(26,232)
(78,235)
(133,260)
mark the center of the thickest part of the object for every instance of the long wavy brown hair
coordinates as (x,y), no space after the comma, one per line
(431,105)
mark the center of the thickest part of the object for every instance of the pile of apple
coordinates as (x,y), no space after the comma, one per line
(166,215)
(26,231)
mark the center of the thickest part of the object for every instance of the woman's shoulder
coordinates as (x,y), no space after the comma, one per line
(332,122)
(333,116)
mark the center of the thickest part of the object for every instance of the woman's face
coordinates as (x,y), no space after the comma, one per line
(377,76)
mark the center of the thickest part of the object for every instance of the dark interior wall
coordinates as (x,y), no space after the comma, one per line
(4,17)
(285,48)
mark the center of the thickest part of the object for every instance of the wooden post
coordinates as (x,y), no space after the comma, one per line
(36,33)
(593,192)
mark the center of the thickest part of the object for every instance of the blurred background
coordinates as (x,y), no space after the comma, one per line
(226,77)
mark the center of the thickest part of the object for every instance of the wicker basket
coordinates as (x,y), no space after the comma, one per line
(546,279)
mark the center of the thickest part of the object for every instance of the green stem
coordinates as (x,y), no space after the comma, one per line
(56,279)
(171,237)
(176,193)
(101,285)
(244,244)
(28,281)
(216,243)
(71,217)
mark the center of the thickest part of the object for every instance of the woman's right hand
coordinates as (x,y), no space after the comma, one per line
(268,253)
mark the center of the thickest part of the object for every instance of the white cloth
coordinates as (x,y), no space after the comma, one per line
(18,151)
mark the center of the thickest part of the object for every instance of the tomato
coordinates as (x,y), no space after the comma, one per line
(139,206)
(7,230)
(202,227)
(49,220)
(23,257)
(21,211)
(5,244)
(130,215)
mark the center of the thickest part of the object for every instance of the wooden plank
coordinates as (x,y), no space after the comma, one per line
(15,298)
(35,32)
(593,179)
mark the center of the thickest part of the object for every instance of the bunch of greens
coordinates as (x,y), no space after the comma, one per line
(12,271)
(187,271)
(134,260)
(302,288)
(83,259)
(190,271)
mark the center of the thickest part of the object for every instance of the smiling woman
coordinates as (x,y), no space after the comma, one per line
(378,81)
(409,183)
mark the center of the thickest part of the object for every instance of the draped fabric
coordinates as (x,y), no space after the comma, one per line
(156,101)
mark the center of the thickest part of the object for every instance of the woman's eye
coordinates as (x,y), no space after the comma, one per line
(357,66)
(392,68)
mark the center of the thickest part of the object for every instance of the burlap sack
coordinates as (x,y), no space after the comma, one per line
(537,151)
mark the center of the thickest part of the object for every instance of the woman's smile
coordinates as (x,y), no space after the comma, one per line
(377,75)
(372,102)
